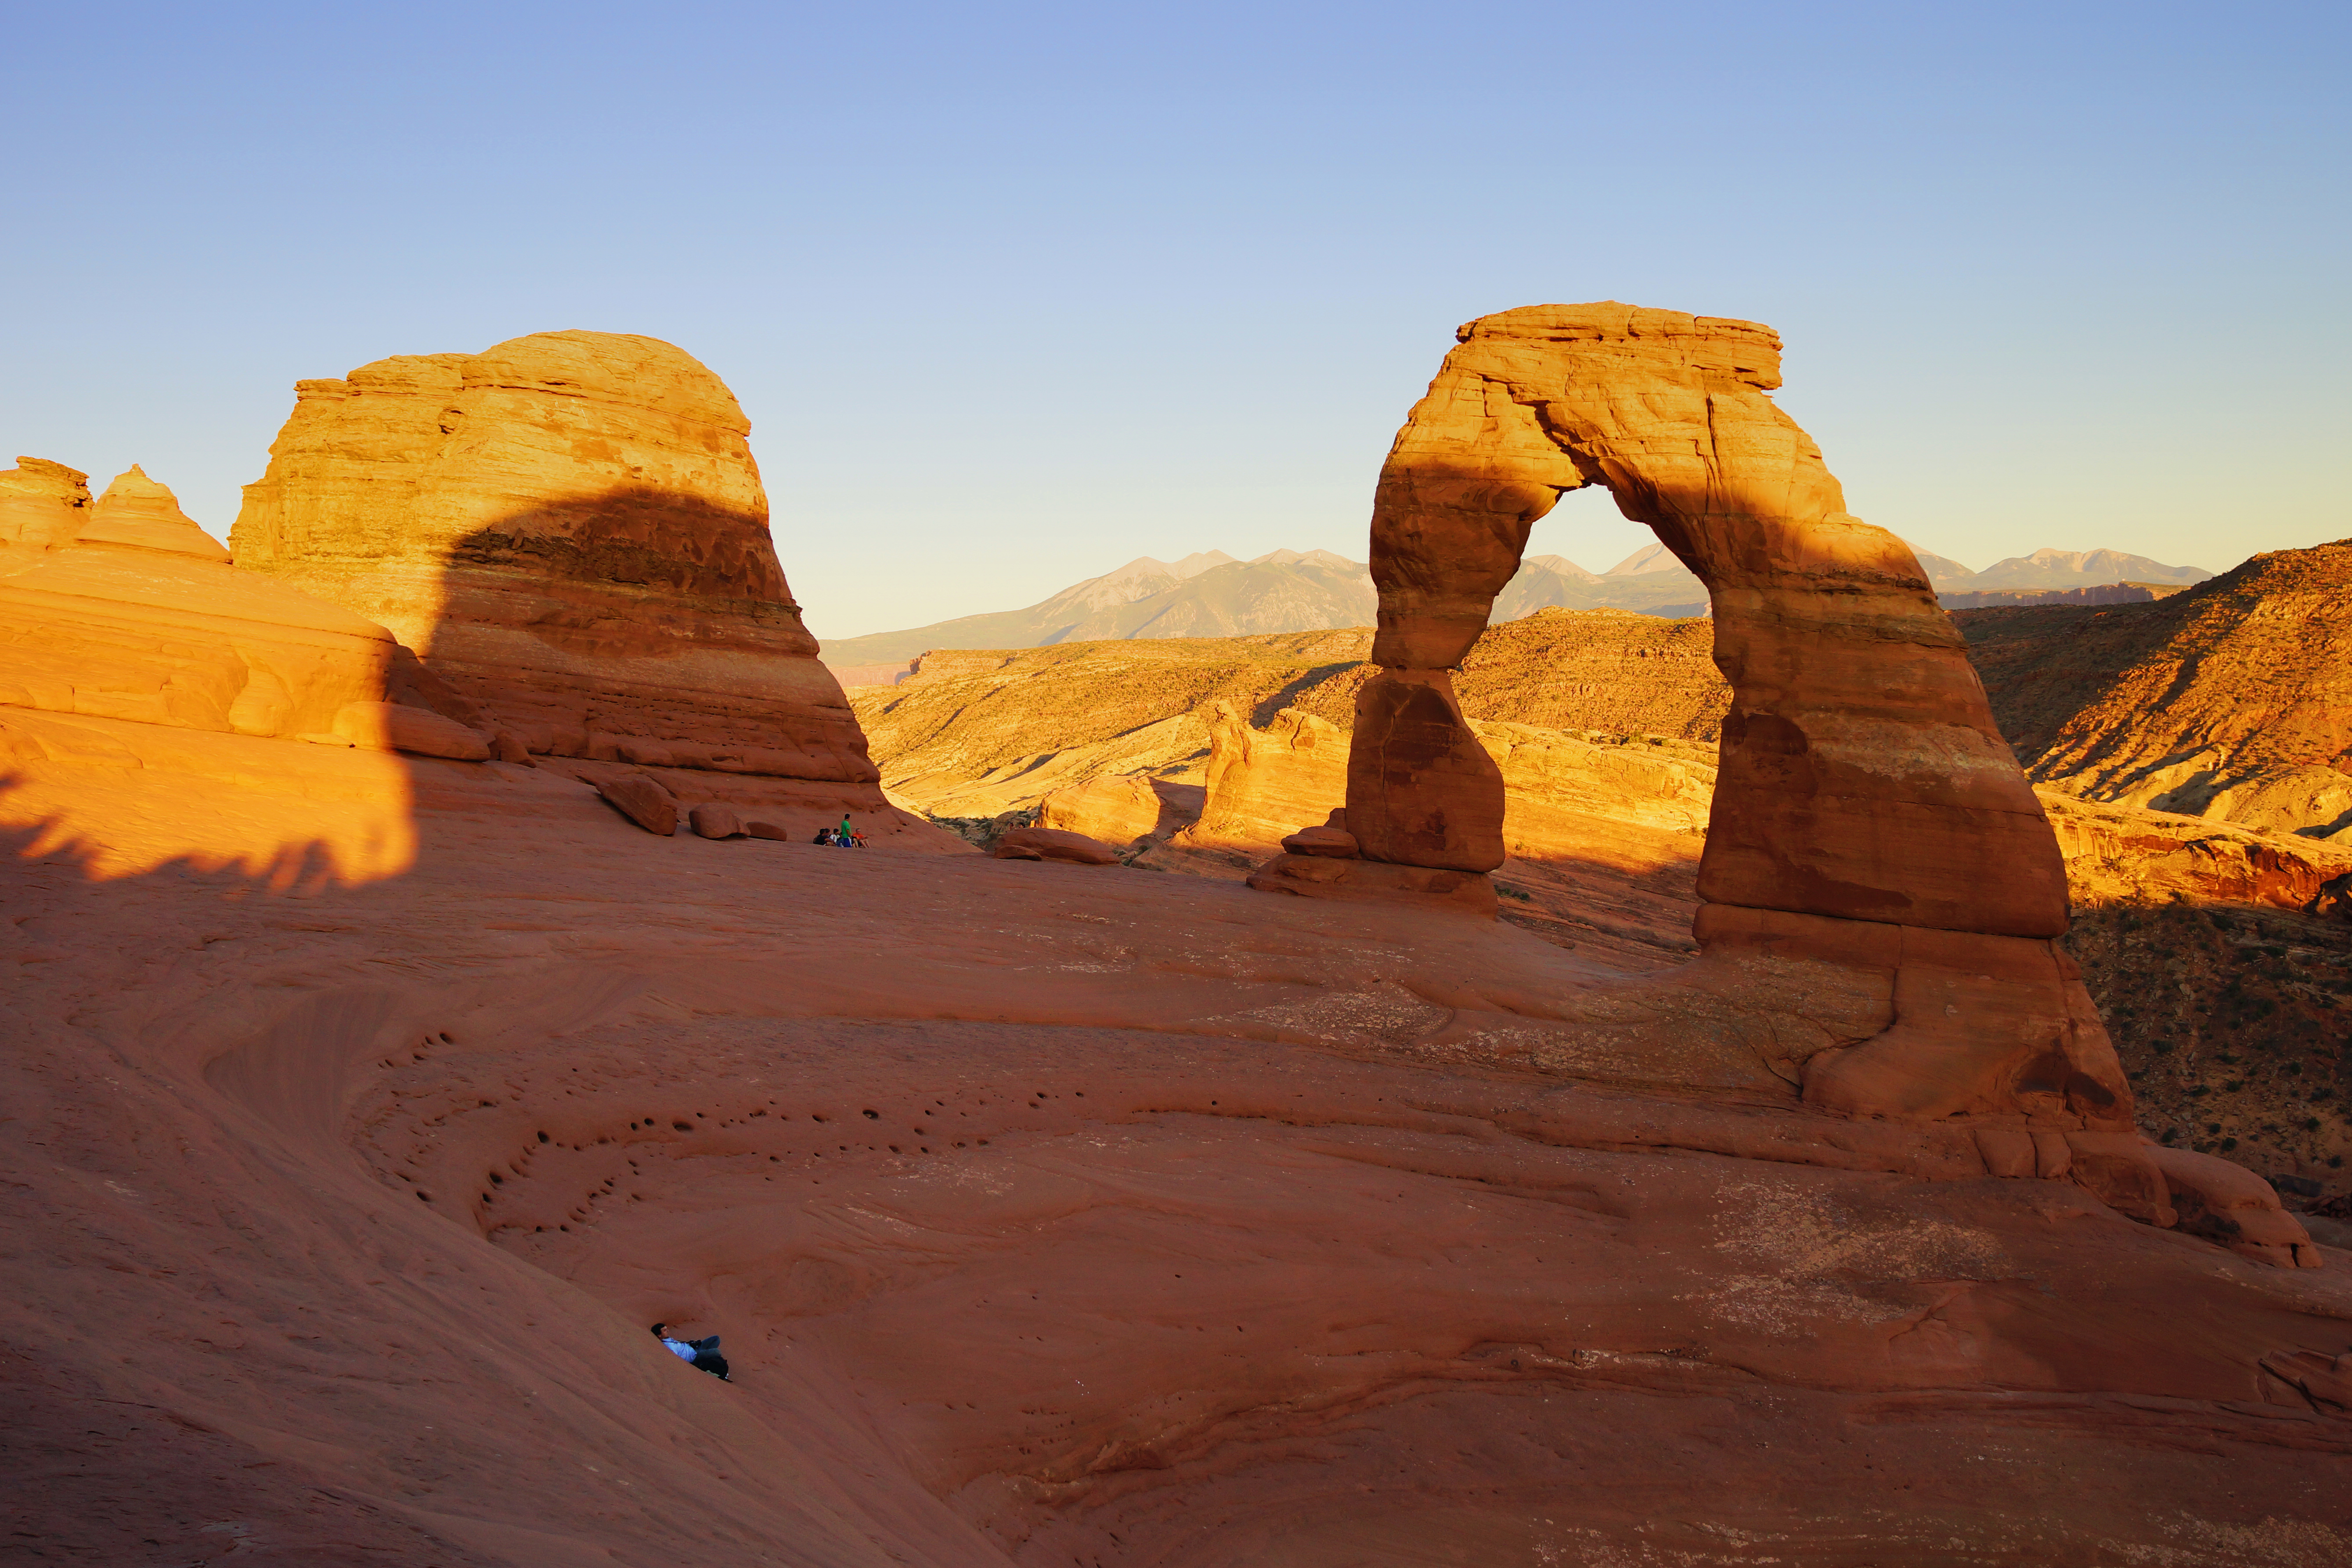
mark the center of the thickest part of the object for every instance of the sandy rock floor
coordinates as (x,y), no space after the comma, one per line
(1049,1214)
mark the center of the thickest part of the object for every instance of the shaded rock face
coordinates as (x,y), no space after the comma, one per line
(1870,827)
(571,530)
(2230,702)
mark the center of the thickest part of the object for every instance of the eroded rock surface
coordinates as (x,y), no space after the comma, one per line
(1044,1213)
(1261,784)
(43,506)
(1846,678)
(1872,837)
(2230,702)
(570,530)
(142,618)
(1054,844)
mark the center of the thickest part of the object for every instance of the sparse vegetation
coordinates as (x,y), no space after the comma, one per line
(2235,1011)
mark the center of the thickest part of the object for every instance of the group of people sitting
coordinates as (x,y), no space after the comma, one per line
(844,837)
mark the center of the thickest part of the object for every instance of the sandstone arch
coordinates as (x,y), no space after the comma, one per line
(1880,885)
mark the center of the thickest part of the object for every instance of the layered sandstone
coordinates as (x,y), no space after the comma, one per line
(142,617)
(1843,670)
(43,507)
(1880,886)
(1046,1213)
(977,734)
(2230,702)
(136,510)
(569,528)
(1263,783)
(2122,854)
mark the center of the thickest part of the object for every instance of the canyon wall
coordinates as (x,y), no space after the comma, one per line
(2232,700)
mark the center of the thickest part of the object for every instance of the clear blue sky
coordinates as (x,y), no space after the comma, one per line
(1015,293)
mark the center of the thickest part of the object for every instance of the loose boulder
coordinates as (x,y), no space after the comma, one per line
(713,819)
(1330,843)
(641,801)
(1054,844)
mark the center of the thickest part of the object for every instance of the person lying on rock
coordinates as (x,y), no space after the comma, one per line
(701,1354)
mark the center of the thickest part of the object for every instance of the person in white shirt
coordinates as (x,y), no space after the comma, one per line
(699,1353)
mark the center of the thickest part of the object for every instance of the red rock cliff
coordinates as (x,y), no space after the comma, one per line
(571,530)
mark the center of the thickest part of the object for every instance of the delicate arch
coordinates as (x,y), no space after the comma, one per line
(1880,888)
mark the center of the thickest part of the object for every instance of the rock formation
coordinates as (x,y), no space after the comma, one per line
(2232,700)
(2126,855)
(43,506)
(1881,888)
(1844,674)
(142,617)
(980,734)
(1262,782)
(141,620)
(1123,808)
(1040,1207)
(570,530)
(1054,844)
(137,510)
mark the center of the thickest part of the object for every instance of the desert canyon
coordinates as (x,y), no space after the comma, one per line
(1838,1081)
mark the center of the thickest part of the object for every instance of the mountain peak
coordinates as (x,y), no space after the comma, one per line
(1199,561)
(1307,558)
(2048,568)
(1651,558)
(1560,565)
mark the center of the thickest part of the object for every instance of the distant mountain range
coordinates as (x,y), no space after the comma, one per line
(1211,595)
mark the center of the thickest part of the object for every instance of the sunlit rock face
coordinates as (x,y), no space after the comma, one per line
(1870,838)
(142,618)
(571,530)
(43,507)
(2231,701)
